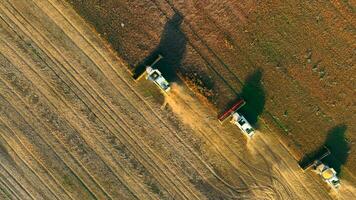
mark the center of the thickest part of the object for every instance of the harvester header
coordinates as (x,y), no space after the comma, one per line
(154,75)
(237,118)
(235,107)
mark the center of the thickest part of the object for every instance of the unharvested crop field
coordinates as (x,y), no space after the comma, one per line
(75,125)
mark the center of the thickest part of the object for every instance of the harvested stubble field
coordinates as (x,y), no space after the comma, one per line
(74,124)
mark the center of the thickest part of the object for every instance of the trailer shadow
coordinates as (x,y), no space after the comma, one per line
(338,146)
(172,47)
(255,97)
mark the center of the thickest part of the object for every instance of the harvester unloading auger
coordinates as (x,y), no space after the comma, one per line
(155,75)
(237,118)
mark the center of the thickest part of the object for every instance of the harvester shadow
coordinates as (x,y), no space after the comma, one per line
(338,146)
(229,105)
(172,47)
(309,158)
(255,97)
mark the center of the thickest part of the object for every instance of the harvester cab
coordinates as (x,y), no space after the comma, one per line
(155,75)
(238,119)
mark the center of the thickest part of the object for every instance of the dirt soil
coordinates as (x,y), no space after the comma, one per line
(75,125)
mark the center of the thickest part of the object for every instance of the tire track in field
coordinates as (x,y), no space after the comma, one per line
(11,160)
(279,158)
(33,141)
(6,192)
(53,148)
(227,146)
(26,128)
(220,28)
(14,182)
(13,78)
(53,105)
(16,144)
(203,57)
(6,187)
(214,55)
(67,109)
(62,125)
(230,71)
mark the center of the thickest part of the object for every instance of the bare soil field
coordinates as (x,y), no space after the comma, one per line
(75,125)
(293,61)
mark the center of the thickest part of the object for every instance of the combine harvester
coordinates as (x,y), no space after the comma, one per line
(155,76)
(237,118)
(328,174)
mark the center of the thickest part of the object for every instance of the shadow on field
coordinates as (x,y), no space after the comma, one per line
(308,159)
(254,95)
(338,147)
(172,47)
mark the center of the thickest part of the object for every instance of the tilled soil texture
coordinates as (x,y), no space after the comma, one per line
(293,61)
(75,125)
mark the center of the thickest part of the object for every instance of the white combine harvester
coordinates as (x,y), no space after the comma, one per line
(238,119)
(327,173)
(154,75)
